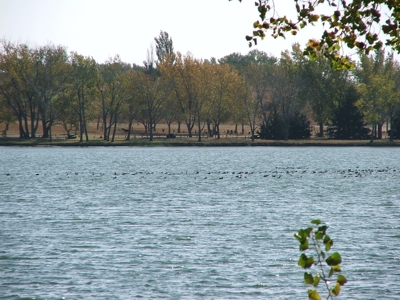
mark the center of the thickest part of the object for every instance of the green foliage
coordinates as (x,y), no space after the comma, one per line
(299,128)
(347,121)
(315,238)
(396,126)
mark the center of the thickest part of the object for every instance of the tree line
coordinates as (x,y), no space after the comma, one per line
(276,97)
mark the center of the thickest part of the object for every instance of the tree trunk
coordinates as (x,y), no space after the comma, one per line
(179,127)
(210,134)
(44,127)
(26,135)
(380,135)
(150,125)
(372,134)
(105,138)
(50,134)
(129,130)
(199,127)
(321,129)
(169,127)
(115,128)
(391,128)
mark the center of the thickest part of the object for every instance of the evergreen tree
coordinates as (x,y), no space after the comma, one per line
(396,126)
(274,128)
(347,122)
(299,128)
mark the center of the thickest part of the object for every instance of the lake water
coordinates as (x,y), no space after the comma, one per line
(193,223)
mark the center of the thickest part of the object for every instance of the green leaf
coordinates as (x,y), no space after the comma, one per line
(308,278)
(313,295)
(319,235)
(316,280)
(304,245)
(322,228)
(303,234)
(333,270)
(334,260)
(328,242)
(341,280)
(336,289)
(305,262)
(316,222)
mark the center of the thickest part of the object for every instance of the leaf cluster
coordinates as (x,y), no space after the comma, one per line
(315,238)
(356,24)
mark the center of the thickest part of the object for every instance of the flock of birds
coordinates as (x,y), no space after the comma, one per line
(277,173)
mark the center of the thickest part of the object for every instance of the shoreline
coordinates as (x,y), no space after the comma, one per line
(192,142)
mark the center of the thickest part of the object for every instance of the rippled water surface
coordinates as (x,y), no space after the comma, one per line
(193,223)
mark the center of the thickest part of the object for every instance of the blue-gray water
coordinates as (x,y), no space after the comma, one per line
(193,223)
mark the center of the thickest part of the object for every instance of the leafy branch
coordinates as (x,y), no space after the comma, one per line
(315,238)
(356,24)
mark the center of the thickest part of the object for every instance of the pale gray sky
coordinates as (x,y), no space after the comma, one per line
(104,28)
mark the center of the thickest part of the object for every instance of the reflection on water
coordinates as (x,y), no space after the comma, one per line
(213,223)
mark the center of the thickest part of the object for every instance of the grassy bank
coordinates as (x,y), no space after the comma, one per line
(194,142)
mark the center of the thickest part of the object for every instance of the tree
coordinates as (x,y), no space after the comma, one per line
(152,93)
(205,80)
(236,60)
(64,111)
(131,106)
(19,86)
(356,24)
(316,78)
(184,72)
(377,77)
(224,86)
(6,114)
(112,92)
(82,78)
(250,106)
(258,76)
(284,89)
(347,121)
(53,71)
(164,47)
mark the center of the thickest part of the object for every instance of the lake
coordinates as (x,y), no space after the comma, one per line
(194,222)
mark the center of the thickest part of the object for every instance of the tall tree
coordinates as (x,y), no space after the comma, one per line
(376,77)
(112,92)
(347,121)
(131,106)
(164,47)
(285,85)
(153,92)
(224,86)
(185,73)
(82,78)
(316,78)
(19,85)
(53,69)
(258,76)
(250,105)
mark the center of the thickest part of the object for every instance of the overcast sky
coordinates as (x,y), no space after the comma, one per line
(104,28)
